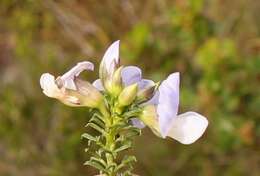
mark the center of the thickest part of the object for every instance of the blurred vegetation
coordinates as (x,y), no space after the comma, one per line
(215,44)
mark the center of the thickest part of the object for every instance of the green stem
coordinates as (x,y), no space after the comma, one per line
(115,136)
(109,144)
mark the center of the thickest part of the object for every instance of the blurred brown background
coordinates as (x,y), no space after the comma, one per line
(215,44)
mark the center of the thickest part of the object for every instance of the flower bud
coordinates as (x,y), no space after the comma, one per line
(103,74)
(149,117)
(117,82)
(146,94)
(109,63)
(128,95)
(87,94)
(114,84)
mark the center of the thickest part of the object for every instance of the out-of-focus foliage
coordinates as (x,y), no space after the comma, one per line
(215,44)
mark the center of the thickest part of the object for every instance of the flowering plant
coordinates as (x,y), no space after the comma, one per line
(123,103)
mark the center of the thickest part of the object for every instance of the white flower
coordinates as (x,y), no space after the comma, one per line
(69,89)
(160,114)
(110,61)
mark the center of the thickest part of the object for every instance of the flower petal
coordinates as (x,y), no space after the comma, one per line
(47,82)
(98,85)
(137,123)
(188,127)
(145,83)
(154,100)
(87,94)
(111,57)
(68,77)
(168,104)
(150,118)
(131,75)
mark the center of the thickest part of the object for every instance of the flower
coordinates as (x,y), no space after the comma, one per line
(160,114)
(108,66)
(129,74)
(128,95)
(110,61)
(160,106)
(71,90)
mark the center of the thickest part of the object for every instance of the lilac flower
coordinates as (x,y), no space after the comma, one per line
(160,114)
(129,74)
(110,60)
(122,99)
(71,90)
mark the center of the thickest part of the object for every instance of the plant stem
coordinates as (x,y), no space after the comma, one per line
(116,135)
(110,143)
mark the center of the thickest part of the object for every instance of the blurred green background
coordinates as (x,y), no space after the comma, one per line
(215,44)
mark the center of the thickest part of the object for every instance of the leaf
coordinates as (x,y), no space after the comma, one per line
(127,145)
(130,131)
(99,143)
(128,173)
(129,159)
(89,137)
(100,117)
(99,160)
(96,165)
(97,121)
(133,132)
(86,149)
(119,125)
(132,113)
(121,138)
(126,161)
(112,165)
(96,127)
(130,127)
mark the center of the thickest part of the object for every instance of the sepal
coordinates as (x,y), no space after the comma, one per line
(149,117)
(147,93)
(114,84)
(128,95)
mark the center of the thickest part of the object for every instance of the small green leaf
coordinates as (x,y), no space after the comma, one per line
(127,145)
(100,161)
(100,144)
(96,127)
(89,137)
(112,165)
(126,161)
(97,121)
(130,131)
(99,117)
(95,165)
(129,159)
(119,125)
(132,113)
